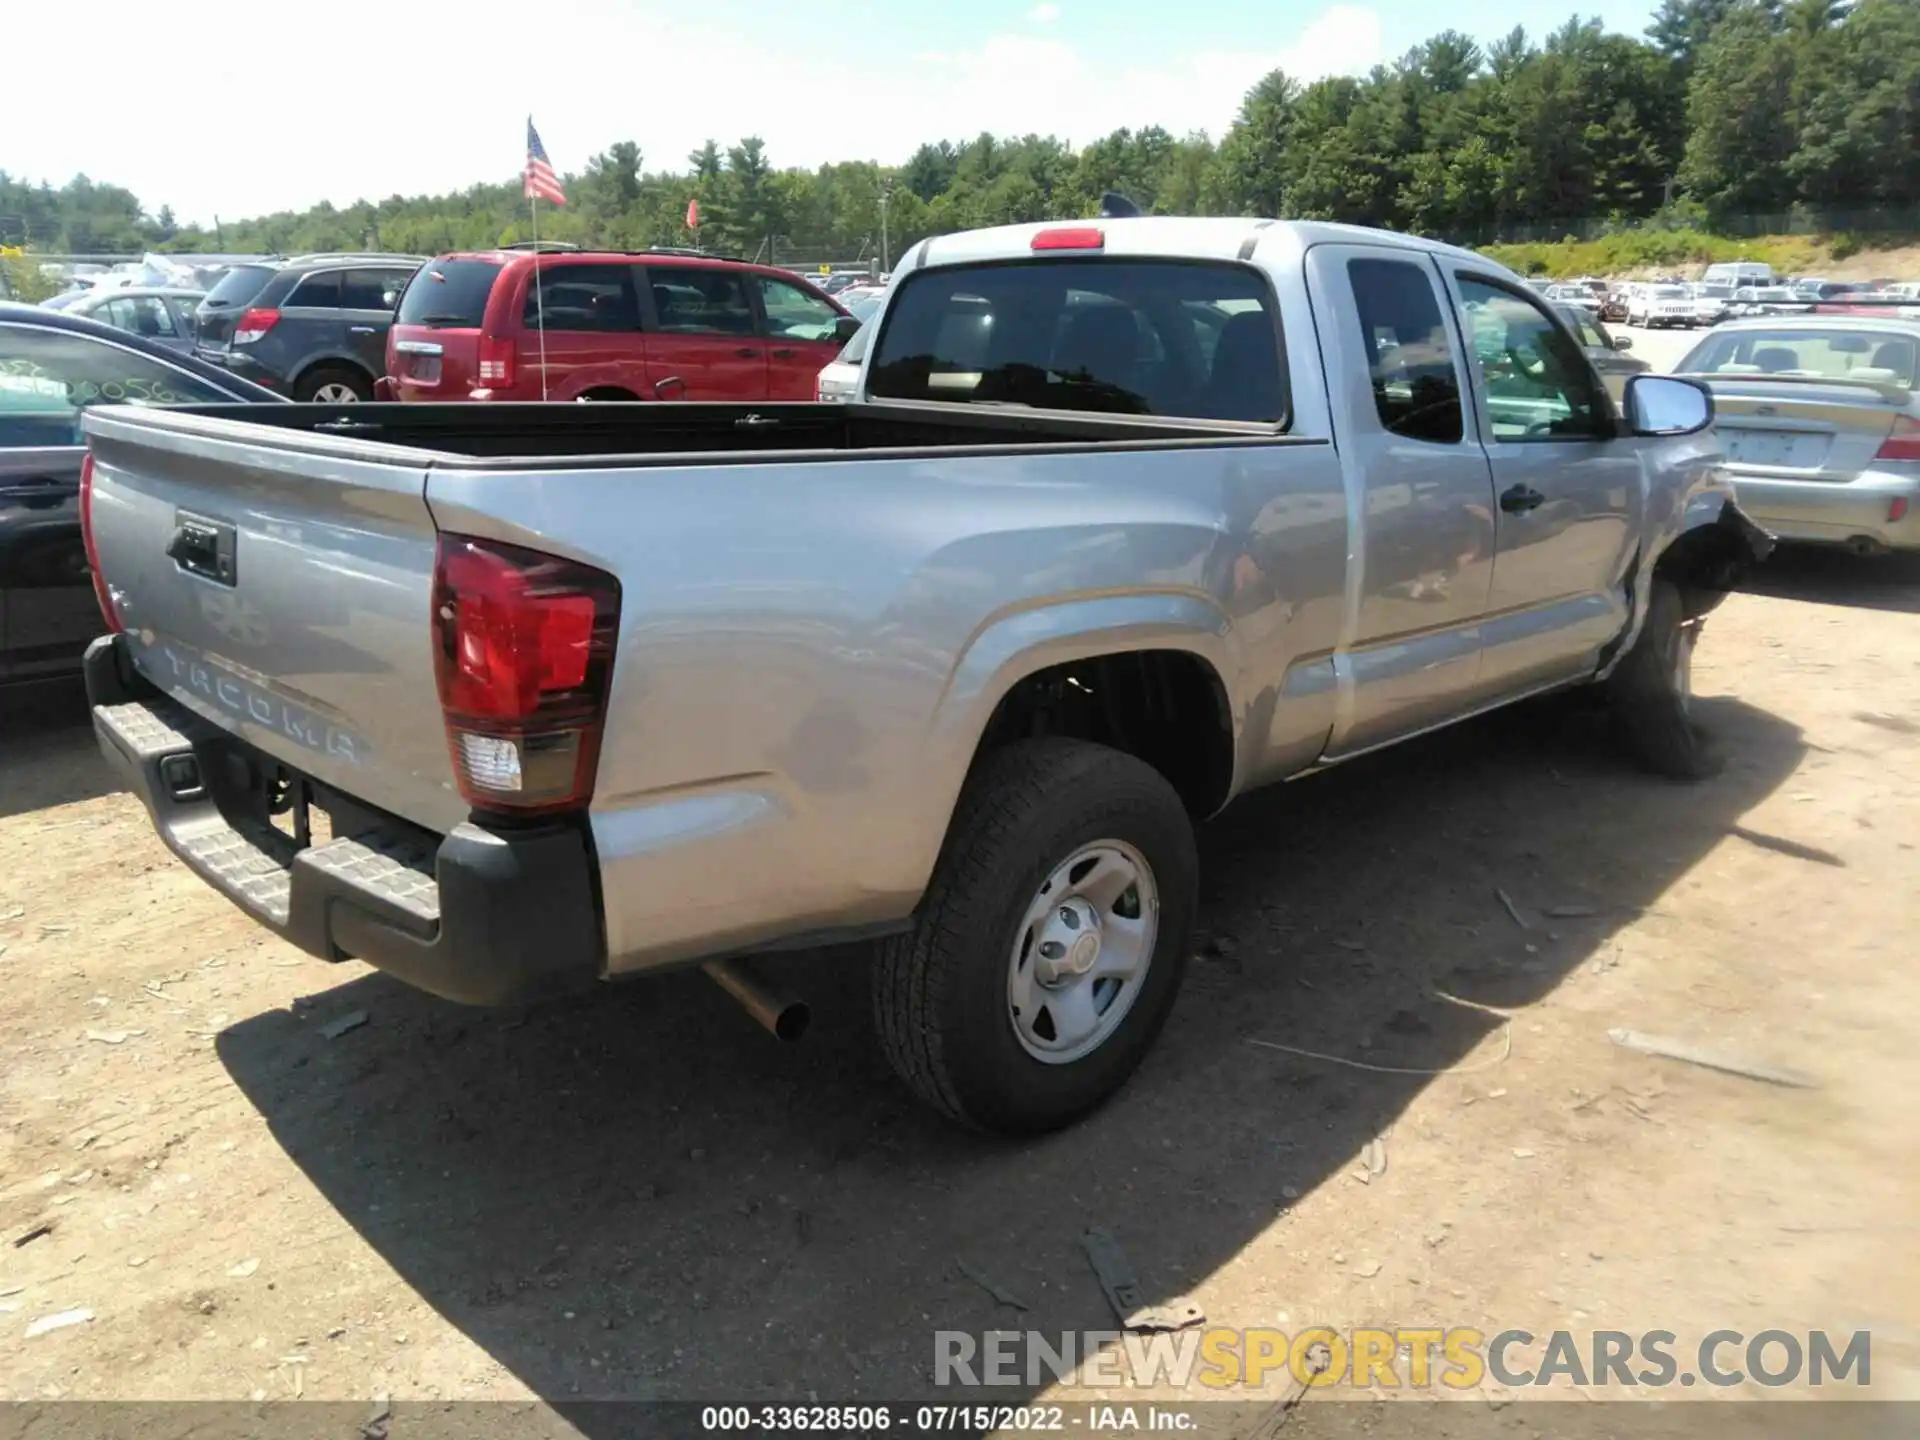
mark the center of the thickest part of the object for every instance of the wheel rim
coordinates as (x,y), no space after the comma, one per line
(335,393)
(1081,952)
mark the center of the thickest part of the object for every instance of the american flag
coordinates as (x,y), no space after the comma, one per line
(540,180)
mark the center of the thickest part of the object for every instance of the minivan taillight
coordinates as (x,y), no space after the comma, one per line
(523,655)
(254,324)
(496,360)
(100,592)
(1903,442)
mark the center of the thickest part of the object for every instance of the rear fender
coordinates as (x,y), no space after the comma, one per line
(1014,646)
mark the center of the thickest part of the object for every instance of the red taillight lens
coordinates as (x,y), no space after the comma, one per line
(253,324)
(523,653)
(1903,442)
(496,360)
(1086,237)
(100,592)
(1897,508)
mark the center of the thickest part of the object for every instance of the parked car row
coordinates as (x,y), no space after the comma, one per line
(603,326)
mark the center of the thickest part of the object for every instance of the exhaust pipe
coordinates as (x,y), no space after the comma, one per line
(1866,546)
(779,1016)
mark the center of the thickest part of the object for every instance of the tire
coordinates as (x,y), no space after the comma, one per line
(943,994)
(333,385)
(1650,692)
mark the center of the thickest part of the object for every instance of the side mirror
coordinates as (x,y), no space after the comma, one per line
(1664,406)
(1623,342)
(844,329)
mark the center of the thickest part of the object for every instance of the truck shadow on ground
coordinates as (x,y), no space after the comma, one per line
(646,1197)
(1823,575)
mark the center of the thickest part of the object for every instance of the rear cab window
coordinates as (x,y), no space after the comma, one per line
(449,293)
(1180,338)
(1416,387)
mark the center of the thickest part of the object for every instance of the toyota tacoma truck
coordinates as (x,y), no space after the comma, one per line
(1124,519)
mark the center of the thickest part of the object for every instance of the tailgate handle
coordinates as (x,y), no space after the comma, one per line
(203,547)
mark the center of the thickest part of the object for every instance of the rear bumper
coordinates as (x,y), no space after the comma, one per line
(1836,512)
(245,366)
(477,916)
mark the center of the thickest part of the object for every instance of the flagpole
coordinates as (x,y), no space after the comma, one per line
(539,299)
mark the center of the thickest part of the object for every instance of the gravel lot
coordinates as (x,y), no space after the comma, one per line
(643,1196)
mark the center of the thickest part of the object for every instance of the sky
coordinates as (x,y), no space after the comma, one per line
(265,105)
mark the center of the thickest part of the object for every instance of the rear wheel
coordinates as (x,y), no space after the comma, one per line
(1050,945)
(333,385)
(1651,692)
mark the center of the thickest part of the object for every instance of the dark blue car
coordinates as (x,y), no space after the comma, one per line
(52,367)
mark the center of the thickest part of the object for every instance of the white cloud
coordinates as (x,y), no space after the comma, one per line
(1044,14)
(425,107)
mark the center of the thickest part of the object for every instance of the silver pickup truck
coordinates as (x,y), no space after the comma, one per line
(1126,519)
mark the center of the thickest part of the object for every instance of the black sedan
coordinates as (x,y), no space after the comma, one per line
(52,367)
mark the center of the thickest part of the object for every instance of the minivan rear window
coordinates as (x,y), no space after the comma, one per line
(449,292)
(1129,337)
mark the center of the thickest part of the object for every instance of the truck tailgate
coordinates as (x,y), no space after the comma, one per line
(281,589)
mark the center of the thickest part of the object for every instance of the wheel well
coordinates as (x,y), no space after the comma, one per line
(333,362)
(1705,563)
(607,392)
(1166,707)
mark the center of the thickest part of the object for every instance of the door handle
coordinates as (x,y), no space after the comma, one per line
(746,352)
(1520,499)
(785,354)
(360,329)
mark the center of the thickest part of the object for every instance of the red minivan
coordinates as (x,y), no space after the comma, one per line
(644,326)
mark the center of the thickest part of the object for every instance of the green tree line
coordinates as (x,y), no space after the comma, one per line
(1724,108)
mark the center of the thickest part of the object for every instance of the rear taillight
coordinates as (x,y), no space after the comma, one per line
(254,324)
(1903,441)
(100,592)
(496,360)
(523,654)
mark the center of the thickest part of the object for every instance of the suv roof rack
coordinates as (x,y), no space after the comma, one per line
(541,245)
(316,255)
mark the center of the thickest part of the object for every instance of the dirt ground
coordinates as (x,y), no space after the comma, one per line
(644,1196)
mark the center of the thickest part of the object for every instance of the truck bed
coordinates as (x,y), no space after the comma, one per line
(641,433)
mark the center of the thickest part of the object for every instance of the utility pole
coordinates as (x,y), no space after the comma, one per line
(886,258)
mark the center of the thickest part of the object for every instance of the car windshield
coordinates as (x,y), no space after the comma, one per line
(861,307)
(1877,355)
(1135,337)
(1669,292)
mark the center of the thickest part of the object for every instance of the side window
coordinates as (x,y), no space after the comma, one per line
(794,314)
(1538,384)
(692,301)
(583,297)
(318,291)
(47,377)
(371,289)
(1416,389)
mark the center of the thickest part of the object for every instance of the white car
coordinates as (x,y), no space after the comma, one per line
(1654,306)
(1712,302)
